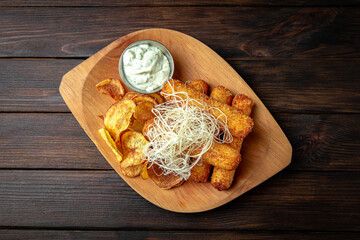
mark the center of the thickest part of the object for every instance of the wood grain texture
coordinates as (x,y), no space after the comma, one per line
(298,86)
(320,142)
(46,141)
(311,201)
(204,3)
(249,32)
(175,235)
(268,150)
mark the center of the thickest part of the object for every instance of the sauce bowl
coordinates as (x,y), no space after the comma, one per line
(158,45)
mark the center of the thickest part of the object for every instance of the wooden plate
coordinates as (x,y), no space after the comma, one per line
(265,152)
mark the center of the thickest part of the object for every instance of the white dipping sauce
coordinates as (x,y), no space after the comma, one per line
(146,67)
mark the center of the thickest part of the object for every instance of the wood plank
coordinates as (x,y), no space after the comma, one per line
(11,234)
(46,141)
(240,31)
(311,85)
(320,142)
(82,3)
(304,85)
(32,85)
(311,201)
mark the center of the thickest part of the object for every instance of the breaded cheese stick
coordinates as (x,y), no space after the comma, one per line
(201,171)
(222,94)
(243,103)
(199,85)
(238,123)
(221,155)
(222,179)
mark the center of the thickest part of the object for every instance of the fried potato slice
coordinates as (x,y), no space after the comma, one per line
(143,111)
(132,143)
(130,95)
(112,87)
(106,136)
(222,94)
(131,171)
(199,85)
(142,98)
(147,126)
(164,181)
(117,118)
(136,125)
(243,103)
(157,97)
(144,173)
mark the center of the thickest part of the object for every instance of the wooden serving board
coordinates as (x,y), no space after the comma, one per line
(265,152)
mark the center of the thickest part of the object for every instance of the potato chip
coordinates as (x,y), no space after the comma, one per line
(143,111)
(144,173)
(131,171)
(157,97)
(112,87)
(148,124)
(130,95)
(136,125)
(164,181)
(132,143)
(106,136)
(117,118)
(142,98)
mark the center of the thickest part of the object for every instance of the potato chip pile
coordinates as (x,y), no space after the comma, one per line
(123,122)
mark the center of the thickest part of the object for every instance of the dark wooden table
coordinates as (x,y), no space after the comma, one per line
(300,57)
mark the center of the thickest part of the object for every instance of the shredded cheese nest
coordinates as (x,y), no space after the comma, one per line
(183,130)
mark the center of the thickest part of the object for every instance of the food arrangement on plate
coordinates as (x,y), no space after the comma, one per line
(175,134)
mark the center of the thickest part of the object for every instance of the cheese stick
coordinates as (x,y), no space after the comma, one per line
(199,85)
(221,94)
(221,155)
(222,179)
(238,123)
(201,171)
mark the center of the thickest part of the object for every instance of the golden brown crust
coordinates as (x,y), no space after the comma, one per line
(238,123)
(222,94)
(199,85)
(236,143)
(143,111)
(112,87)
(130,95)
(243,103)
(131,171)
(147,126)
(164,181)
(222,155)
(222,179)
(200,172)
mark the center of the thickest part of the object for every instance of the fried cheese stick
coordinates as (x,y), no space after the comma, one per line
(238,123)
(199,85)
(222,179)
(201,171)
(220,154)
